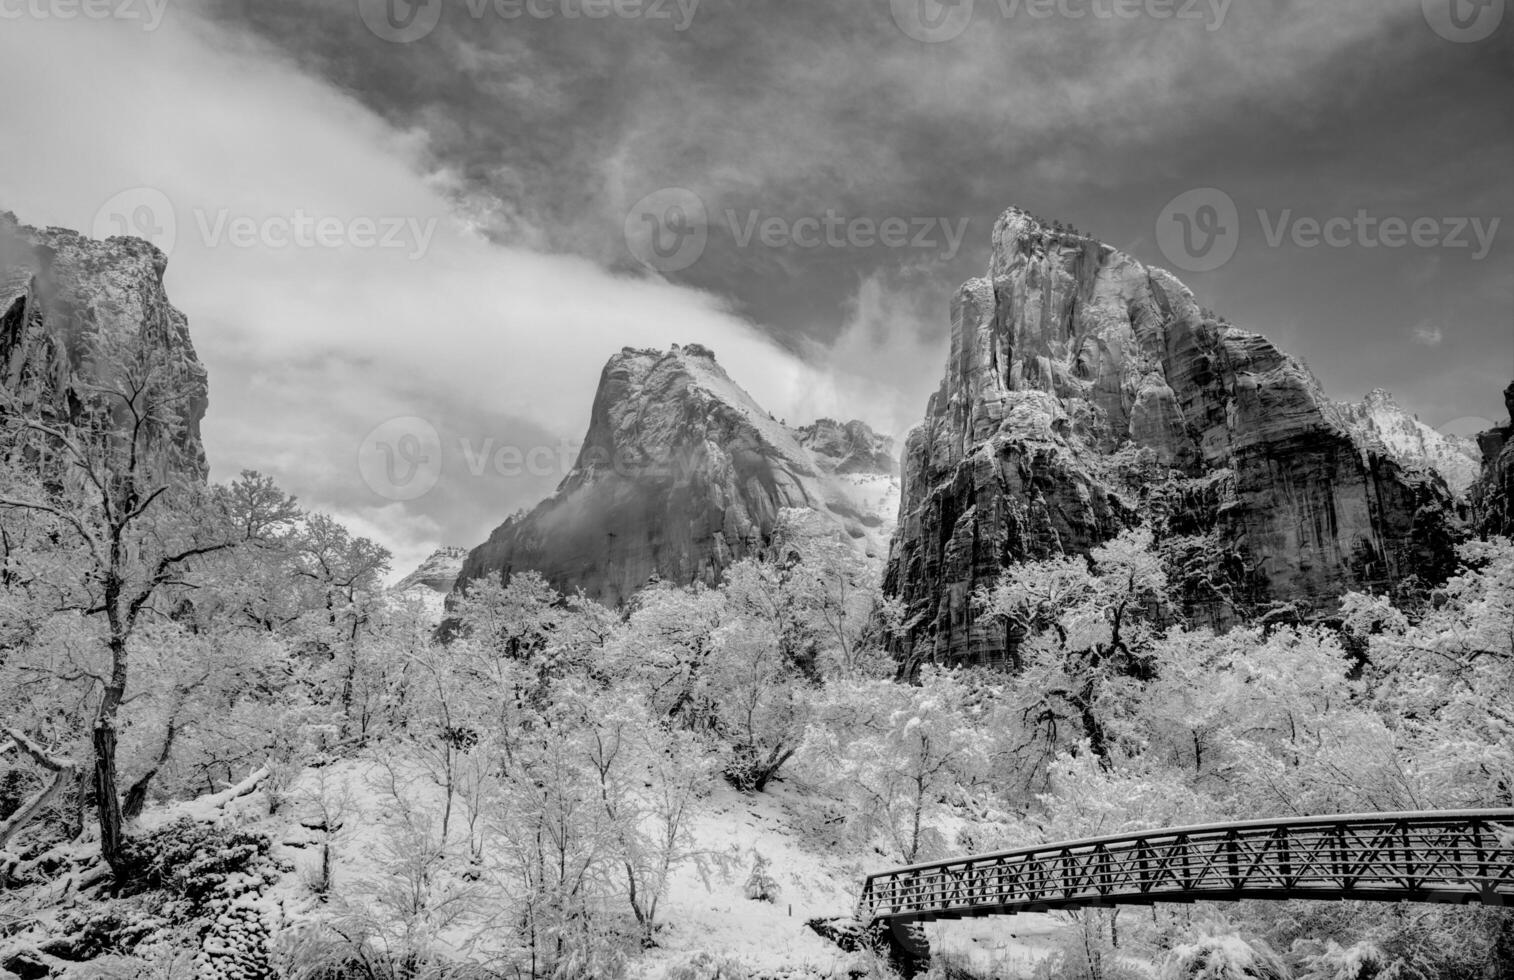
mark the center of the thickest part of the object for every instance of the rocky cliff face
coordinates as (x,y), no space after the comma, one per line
(1493,495)
(430,583)
(682,474)
(436,574)
(64,299)
(1380,420)
(1071,362)
(850,448)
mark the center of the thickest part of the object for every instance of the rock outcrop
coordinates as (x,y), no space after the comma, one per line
(67,305)
(1070,363)
(1493,496)
(850,448)
(1379,418)
(432,581)
(437,573)
(681,474)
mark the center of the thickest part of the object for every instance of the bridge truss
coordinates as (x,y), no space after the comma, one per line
(1459,857)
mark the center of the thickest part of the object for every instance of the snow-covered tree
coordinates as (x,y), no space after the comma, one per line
(899,755)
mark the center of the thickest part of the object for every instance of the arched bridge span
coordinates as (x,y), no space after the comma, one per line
(1459,857)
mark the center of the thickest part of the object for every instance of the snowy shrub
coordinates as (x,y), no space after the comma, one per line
(341,950)
(708,966)
(1225,958)
(199,864)
(116,927)
(160,965)
(760,885)
(1087,952)
(316,875)
(1363,961)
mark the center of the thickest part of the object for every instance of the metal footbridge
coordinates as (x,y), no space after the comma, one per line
(1456,857)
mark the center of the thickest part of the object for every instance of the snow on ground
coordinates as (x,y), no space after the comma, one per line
(796,830)
(820,876)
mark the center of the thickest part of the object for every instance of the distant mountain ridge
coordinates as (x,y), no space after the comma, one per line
(1379,418)
(682,474)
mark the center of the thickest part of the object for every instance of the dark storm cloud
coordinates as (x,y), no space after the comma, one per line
(825,120)
(551,126)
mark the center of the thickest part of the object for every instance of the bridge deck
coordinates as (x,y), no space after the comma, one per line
(1464,856)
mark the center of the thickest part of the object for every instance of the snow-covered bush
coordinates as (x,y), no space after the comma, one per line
(709,966)
(1361,961)
(761,886)
(1226,957)
(196,862)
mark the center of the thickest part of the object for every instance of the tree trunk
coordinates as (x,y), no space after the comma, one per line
(107,794)
(136,796)
(107,799)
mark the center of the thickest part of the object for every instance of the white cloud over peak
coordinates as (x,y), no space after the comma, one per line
(282,189)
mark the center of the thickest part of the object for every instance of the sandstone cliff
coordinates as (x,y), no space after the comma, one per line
(1493,496)
(1378,418)
(1071,363)
(432,581)
(850,448)
(680,475)
(64,299)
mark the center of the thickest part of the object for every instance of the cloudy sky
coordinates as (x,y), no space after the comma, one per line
(489,173)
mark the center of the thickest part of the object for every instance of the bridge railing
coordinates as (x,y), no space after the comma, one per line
(1452,856)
